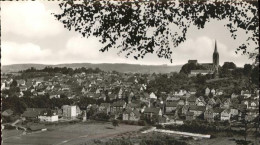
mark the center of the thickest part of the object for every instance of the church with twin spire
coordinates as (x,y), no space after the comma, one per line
(208,68)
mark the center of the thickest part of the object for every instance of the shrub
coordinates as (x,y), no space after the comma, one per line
(102,116)
(203,128)
(115,123)
(96,141)
(131,122)
(14,118)
(142,123)
(162,141)
(213,136)
(119,142)
(6,119)
(9,127)
(243,142)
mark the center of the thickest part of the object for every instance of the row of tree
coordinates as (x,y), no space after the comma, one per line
(63,70)
(19,105)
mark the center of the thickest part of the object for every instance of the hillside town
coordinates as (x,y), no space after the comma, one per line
(126,97)
(202,100)
(223,94)
(130,72)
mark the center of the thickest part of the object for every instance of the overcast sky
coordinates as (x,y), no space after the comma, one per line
(30,34)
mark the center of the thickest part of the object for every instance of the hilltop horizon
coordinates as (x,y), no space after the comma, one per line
(166,64)
(89,63)
(120,67)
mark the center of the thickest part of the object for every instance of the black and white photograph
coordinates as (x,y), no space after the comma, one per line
(130,72)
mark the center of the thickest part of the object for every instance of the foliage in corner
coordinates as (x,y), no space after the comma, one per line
(124,25)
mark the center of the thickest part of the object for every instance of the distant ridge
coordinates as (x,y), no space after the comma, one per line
(120,67)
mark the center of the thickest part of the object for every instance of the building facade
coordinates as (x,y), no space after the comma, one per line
(209,68)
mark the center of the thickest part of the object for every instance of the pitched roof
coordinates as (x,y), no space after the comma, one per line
(8,111)
(240,106)
(190,113)
(117,112)
(33,112)
(226,111)
(134,105)
(217,110)
(120,103)
(193,90)
(211,101)
(146,95)
(152,110)
(209,110)
(112,96)
(153,96)
(136,112)
(206,64)
(201,71)
(174,98)
(23,87)
(191,99)
(20,81)
(171,104)
(197,108)
(104,105)
(245,92)
(48,112)
(127,111)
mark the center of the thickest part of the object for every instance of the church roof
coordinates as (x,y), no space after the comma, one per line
(206,64)
(201,71)
(192,61)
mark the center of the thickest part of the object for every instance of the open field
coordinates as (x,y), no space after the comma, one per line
(87,133)
(68,134)
(220,141)
(11,133)
(156,137)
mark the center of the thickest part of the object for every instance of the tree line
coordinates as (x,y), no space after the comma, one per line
(63,70)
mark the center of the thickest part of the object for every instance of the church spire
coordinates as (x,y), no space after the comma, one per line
(216,50)
(216,58)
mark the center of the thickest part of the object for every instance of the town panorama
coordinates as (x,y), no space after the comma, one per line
(153,72)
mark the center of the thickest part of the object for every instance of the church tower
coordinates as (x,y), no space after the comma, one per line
(216,58)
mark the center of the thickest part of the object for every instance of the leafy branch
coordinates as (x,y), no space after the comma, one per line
(125,25)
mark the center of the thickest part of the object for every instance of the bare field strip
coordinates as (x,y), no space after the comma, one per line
(69,134)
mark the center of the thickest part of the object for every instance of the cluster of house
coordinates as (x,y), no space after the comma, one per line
(34,115)
(185,105)
(88,85)
(130,99)
(69,112)
(216,108)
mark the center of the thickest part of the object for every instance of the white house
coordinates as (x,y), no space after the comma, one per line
(234,95)
(219,92)
(69,111)
(180,93)
(225,115)
(48,116)
(202,72)
(246,93)
(200,101)
(207,91)
(213,91)
(153,96)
